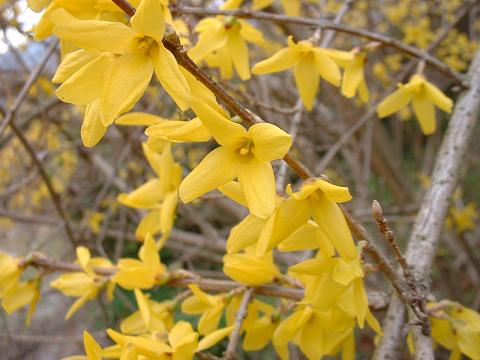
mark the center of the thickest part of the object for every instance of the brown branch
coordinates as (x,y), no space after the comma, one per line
(231,352)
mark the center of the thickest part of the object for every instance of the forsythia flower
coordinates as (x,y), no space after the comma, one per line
(86,284)
(456,328)
(463,219)
(10,272)
(310,64)
(353,80)
(249,269)
(243,154)
(22,294)
(139,50)
(211,308)
(159,195)
(143,273)
(423,95)
(227,36)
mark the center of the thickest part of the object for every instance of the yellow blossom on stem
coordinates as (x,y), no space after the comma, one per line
(310,63)
(243,154)
(139,51)
(227,36)
(143,273)
(423,95)
(84,285)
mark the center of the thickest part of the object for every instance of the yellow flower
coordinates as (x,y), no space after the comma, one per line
(353,77)
(10,271)
(245,155)
(249,269)
(310,64)
(464,218)
(211,308)
(140,52)
(319,199)
(93,351)
(456,328)
(423,95)
(84,285)
(22,294)
(227,36)
(159,195)
(143,273)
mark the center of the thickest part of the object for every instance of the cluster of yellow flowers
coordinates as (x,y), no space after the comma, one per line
(108,63)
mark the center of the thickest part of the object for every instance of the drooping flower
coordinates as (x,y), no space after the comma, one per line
(310,64)
(226,38)
(423,95)
(243,154)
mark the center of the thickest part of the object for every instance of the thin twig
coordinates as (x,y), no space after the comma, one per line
(231,352)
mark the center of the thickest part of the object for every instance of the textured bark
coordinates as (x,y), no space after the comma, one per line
(431,216)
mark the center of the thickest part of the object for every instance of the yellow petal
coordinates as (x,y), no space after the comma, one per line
(214,338)
(139,119)
(149,254)
(291,7)
(210,40)
(93,34)
(168,212)
(425,112)
(326,67)
(37,5)
(280,61)
(248,269)
(179,131)
(76,306)
(83,256)
(338,194)
(330,219)
(270,142)
(225,131)
(73,62)
(92,130)
(394,102)
(19,296)
(149,19)
(143,307)
(180,332)
(141,278)
(258,184)
(245,233)
(249,33)
(217,168)
(288,328)
(127,81)
(304,238)
(92,349)
(352,78)
(150,224)
(238,52)
(438,97)
(233,190)
(307,80)
(146,196)
(210,319)
(171,78)
(85,85)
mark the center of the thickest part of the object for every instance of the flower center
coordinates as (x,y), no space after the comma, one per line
(246,148)
(144,44)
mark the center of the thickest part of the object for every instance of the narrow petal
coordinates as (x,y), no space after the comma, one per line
(126,83)
(258,184)
(224,130)
(327,68)
(393,102)
(214,338)
(338,194)
(233,190)
(238,51)
(425,112)
(245,233)
(352,78)
(149,19)
(171,78)
(93,34)
(270,142)
(209,41)
(92,129)
(139,119)
(307,80)
(280,61)
(438,97)
(217,168)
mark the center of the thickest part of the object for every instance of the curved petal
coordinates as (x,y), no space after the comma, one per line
(224,130)
(149,19)
(338,194)
(307,80)
(258,184)
(438,97)
(92,129)
(210,40)
(71,63)
(217,168)
(280,61)
(352,78)
(425,112)
(394,102)
(326,67)
(249,33)
(245,233)
(126,83)
(171,78)
(139,119)
(270,142)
